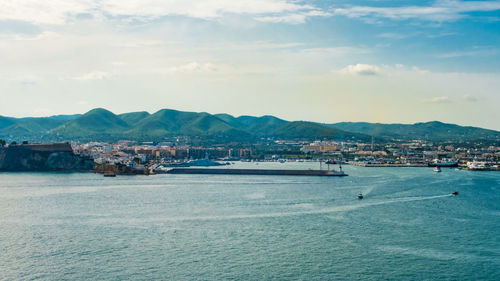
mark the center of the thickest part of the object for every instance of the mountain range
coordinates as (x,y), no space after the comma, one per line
(432,131)
(103,125)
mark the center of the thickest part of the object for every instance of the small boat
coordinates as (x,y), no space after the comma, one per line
(109,174)
(360,196)
(454,193)
(437,169)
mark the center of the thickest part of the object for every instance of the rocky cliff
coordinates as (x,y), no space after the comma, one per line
(42,157)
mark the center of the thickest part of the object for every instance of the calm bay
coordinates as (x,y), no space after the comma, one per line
(57,226)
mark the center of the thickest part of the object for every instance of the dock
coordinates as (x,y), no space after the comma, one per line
(210,171)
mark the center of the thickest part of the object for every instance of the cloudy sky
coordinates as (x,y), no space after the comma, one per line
(401,61)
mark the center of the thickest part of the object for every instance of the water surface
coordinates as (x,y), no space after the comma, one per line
(57,226)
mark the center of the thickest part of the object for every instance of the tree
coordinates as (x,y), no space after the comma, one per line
(25,142)
(2,142)
(13,143)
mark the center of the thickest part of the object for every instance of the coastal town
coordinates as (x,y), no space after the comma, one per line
(149,156)
(132,157)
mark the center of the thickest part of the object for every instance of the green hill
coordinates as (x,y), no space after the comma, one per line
(101,124)
(133,118)
(33,126)
(270,126)
(65,117)
(313,130)
(95,123)
(167,122)
(6,122)
(259,126)
(434,131)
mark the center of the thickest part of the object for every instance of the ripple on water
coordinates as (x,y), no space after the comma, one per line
(84,226)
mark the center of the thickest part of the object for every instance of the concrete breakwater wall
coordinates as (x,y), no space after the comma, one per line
(42,157)
(255,172)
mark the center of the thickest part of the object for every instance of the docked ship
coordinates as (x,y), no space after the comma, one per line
(477,166)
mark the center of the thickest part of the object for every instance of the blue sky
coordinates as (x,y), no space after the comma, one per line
(328,61)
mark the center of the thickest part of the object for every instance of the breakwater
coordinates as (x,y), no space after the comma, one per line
(255,172)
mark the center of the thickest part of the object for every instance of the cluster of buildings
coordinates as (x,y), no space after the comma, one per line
(134,154)
(415,153)
(418,152)
(137,156)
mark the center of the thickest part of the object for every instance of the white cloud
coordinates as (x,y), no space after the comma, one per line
(290,19)
(443,99)
(334,51)
(361,69)
(295,18)
(419,70)
(50,12)
(205,9)
(443,10)
(56,12)
(193,67)
(94,75)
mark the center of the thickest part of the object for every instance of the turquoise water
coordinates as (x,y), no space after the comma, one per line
(228,227)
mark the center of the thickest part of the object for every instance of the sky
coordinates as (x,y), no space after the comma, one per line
(382,61)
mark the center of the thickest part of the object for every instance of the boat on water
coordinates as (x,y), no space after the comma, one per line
(454,193)
(110,174)
(440,163)
(195,163)
(437,169)
(330,162)
(360,196)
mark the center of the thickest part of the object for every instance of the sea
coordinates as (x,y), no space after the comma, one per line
(408,226)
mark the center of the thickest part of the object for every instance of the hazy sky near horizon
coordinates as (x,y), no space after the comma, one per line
(328,61)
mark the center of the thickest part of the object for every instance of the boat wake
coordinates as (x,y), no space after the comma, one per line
(343,208)
(368,190)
